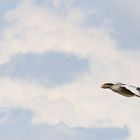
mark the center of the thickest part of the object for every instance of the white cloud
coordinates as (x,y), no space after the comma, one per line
(33,29)
(58,3)
(19,125)
(82,103)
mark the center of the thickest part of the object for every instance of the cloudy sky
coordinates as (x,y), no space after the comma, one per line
(54,55)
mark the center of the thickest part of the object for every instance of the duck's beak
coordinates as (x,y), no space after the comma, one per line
(103,86)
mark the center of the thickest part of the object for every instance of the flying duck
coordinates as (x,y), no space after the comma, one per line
(123,89)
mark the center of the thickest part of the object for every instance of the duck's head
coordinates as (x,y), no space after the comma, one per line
(107,85)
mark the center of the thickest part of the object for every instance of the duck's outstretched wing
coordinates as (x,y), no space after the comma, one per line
(133,89)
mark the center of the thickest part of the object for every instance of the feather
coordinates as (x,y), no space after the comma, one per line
(133,89)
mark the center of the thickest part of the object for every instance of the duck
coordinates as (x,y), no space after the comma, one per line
(122,89)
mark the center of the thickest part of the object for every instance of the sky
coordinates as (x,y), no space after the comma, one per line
(54,57)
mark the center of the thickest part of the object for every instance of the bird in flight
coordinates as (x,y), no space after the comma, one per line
(123,89)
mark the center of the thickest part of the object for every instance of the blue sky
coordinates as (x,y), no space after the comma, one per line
(19,126)
(54,55)
(48,69)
